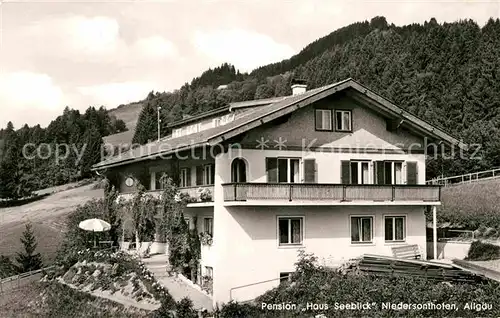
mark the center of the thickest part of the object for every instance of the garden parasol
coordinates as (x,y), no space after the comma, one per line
(94,225)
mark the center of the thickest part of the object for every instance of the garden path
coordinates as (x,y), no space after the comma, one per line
(178,288)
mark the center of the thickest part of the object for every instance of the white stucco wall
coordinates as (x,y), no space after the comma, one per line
(327,163)
(246,244)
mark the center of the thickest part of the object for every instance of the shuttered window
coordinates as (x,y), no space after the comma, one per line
(283,170)
(388,172)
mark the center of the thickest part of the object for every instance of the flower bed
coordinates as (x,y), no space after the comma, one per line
(114,272)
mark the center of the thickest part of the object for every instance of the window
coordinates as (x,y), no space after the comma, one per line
(205,174)
(161,178)
(208,226)
(283,170)
(209,271)
(238,170)
(361,229)
(285,277)
(388,172)
(343,120)
(185,178)
(395,228)
(324,119)
(290,230)
(355,172)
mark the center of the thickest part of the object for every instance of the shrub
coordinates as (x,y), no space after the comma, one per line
(480,251)
(184,309)
(315,284)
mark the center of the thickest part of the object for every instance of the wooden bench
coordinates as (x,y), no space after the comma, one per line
(407,252)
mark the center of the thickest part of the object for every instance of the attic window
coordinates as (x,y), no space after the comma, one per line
(324,119)
(343,120)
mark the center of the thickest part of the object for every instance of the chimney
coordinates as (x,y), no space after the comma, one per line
(299,86)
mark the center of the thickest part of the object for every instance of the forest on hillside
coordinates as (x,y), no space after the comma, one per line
(448,74)
(46,160)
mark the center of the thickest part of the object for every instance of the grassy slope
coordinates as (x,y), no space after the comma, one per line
(47,216)
(56,300)
(129,114)
(479,200)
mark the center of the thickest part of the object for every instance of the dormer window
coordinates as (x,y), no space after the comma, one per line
(343,120)
(324,119)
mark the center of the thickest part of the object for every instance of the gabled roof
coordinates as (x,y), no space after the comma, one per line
(263,114)
(227,109)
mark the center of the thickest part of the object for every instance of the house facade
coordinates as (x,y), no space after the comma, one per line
(337,171)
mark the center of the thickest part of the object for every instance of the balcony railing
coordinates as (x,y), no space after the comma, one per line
(192,191)
(330,192)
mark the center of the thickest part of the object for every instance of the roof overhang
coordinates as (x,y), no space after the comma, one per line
(361,93)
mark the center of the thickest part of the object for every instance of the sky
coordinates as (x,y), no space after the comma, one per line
(91,53)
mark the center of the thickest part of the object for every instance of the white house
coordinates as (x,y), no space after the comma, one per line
(338,171)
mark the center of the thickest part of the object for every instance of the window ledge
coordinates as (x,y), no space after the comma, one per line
(291,246)
(363,244)
(390,243)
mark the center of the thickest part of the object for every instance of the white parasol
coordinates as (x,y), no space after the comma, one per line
(94,225)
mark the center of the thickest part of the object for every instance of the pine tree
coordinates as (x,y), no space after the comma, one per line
(147,124)
(28,260)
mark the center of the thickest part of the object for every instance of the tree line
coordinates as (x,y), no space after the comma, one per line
(62,152)
(448,74)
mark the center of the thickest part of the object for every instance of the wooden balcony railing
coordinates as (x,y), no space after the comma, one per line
(192,191)
(336,192)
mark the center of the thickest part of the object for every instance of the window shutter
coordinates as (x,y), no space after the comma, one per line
(199,175)
(345,172)
(411,172)
(309,170)
(379,172)
(188,177)
(212,172)
(272,169)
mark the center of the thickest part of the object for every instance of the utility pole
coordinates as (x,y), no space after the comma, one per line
(159,120)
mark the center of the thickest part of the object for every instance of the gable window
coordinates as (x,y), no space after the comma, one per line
(343,120)
(355,172)
(388,172)
(324,119)
(290,230)
(208,226)
(395,228)
(185,178)
(238,170)
(283,170)
(205,174)
(361,229)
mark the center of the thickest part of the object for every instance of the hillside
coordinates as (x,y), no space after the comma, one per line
(472,206)
(48,219)
(129,113)
(448,74)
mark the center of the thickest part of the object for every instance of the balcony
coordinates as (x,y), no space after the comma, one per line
(192,191)
(329,194)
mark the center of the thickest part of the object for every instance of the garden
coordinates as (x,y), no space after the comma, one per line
(345,293)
